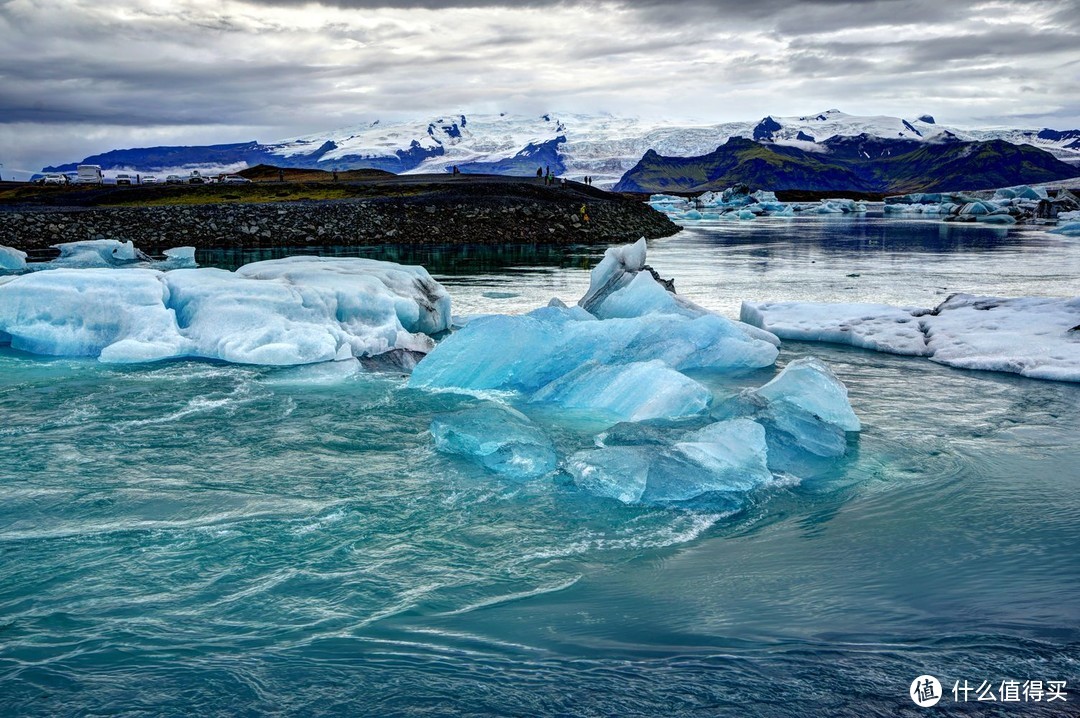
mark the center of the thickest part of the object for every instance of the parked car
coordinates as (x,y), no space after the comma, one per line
(174,179)
(51,179)
(149,179)
(235,179)
(196,178)
(124,179)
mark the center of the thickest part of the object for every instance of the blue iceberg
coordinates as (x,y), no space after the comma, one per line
(727,458)
(632,392)
(499,438)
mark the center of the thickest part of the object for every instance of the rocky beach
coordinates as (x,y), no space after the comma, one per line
(440,209)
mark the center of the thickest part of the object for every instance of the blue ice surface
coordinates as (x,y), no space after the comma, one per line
(806,414)
(633,392)
(497,437)
(1069,229)
(526,352)
(727,457)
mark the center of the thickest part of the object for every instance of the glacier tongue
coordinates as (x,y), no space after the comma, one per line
(276,313)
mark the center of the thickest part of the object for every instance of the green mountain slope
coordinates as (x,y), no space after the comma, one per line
(850,164)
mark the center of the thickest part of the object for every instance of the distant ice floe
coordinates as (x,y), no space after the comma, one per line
(738,203)
(1034,337)
(291,311)
(619,357)
(1005,206)
(97,253)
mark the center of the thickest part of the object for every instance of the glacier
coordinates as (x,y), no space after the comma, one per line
(1035,337)
(279,312)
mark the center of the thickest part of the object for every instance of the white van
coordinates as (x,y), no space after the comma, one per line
(89,174)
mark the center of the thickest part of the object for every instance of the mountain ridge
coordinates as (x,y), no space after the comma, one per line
(604,147)
(851,164)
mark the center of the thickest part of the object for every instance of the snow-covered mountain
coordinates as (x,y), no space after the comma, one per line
(602,146)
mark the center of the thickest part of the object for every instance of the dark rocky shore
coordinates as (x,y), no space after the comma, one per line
(465,209)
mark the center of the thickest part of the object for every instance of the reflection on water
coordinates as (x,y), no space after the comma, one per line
(450,260)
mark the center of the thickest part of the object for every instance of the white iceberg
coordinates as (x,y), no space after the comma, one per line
(278,313)
(96,253)
(879,327)
(1032,336)
(498,437)
(116,316)
(12,259)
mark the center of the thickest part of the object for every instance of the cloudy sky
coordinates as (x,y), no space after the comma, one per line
(85,76)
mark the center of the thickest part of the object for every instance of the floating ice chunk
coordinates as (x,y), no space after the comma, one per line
(96,253)
(633,392)
(177,258)
(727,458)
(734,452)
(12,259)
(616,270)
(1070,229)
(500,438)
(617,472)
(144,315)
(523,353)
(1031,336)
(117,316)
(871,326)
(641,295)
(421,303)
(809,385)
(997,219)
(976,208)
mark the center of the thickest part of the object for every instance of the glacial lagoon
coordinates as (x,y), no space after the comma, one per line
(196,537)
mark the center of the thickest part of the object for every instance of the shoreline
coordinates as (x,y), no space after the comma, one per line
(413,209)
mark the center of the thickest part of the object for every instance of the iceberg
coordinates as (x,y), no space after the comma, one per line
(276,313)
(1032,336)
(727,458)
(499,438)
(96,253)
(808,385)
(616,270)
(420,303)
(524,353)
(115,316)
(878,327)
(1069,229)
(630,392)
(12,259)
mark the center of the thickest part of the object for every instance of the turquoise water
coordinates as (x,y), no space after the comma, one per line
(192,538)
